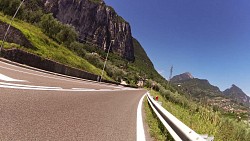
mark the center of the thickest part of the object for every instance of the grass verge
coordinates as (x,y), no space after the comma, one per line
(156,128)
(47,48)
(201,119)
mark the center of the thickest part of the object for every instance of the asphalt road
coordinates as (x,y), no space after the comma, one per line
(40,106)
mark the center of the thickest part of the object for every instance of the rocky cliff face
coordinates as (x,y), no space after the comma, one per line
(96,23)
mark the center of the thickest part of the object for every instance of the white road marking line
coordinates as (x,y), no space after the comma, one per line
(106,90)
(6,78)
(129,89)
(65,79)
(140,128)
(88,90)
(43,88)
(28,86)
(82,89)
(55,77)
(79,89)
(47,88)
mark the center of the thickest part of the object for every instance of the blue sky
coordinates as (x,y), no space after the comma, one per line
(208,38)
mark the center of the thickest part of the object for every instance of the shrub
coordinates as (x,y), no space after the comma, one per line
(94,59)
(230,130)
(50,26)
(204,119)
(64,34)
(32,16)
(9,7)
(67,34)
(114,72)
(78,48)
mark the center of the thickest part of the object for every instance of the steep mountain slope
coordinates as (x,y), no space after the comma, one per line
(99,24)
(30,38)
(237,94)
(95,23)
(143,64)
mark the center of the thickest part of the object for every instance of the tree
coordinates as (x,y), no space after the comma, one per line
(78,48)
(32,16)
(9,7)
(50,26)
(66,35)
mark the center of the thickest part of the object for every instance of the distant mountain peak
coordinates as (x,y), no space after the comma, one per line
(235,89)
(234,86)
(189,75)
(182,77)
(236,93)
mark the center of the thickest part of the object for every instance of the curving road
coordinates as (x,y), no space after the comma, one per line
(39,106)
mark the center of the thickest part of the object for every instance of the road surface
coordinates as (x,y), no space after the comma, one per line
(38,106)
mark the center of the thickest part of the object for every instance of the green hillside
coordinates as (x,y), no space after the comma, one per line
(203,92)
(57,41)
(200,88)
(144,65)
(77,56)
(50,40)
(48,48)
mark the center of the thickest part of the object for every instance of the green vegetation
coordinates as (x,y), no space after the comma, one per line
(63,34)
(202,91)
(156,128)
(143,67)
(47,48)
(199,88)
(31,11)
(96,56)
(56,41)
(202,119)
(9,7)
(10,45)
(119,68)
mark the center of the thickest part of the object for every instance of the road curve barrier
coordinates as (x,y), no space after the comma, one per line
(178,130)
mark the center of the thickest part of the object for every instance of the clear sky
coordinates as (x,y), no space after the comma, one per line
(208,38)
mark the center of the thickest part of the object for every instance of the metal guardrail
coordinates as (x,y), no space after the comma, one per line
(178,130)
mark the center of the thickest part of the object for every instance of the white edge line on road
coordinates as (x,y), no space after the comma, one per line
(46,75)
(29,86)
(6,78)
(140,128)
(45,88)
